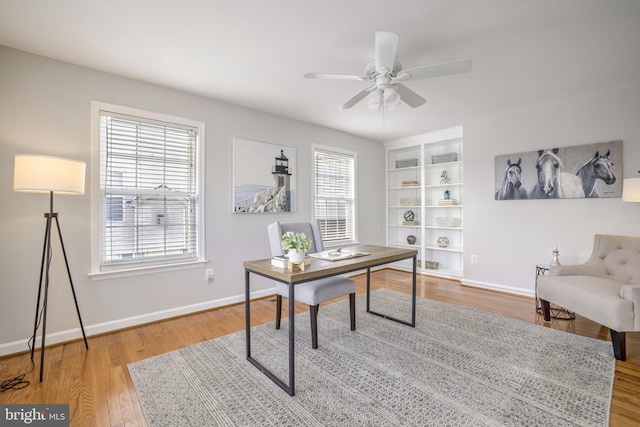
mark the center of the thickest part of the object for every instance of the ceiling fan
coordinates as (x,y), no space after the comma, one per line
(387,73)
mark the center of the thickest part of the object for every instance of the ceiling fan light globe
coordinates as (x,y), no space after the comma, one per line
(374,99)
(391,99)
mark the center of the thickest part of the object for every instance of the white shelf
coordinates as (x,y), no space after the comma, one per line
(404,245)
(446,164)
(408,168)
(453,184)
(447,249)
(426,194)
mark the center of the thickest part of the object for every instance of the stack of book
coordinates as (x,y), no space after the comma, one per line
(447,202)
(410,183)
(282,261)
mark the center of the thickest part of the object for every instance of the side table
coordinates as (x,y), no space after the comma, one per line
(557,312)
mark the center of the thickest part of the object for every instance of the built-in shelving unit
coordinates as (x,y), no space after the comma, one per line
(416,202)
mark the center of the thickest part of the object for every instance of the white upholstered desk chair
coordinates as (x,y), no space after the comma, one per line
(316,291)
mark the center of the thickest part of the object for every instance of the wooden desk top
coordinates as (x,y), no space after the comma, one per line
(320,268)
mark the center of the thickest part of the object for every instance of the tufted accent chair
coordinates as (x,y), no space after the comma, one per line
(605,289)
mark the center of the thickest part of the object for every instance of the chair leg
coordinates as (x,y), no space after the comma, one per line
(618,339)
(352,310)
(546,310)
(313,313)
(278,310)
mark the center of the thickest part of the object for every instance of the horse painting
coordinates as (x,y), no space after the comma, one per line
(511,187)
(599,167)
(552,182)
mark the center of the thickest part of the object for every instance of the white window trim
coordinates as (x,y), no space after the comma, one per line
(354,154)
(96,232)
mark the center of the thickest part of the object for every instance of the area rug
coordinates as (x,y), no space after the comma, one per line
(459,367)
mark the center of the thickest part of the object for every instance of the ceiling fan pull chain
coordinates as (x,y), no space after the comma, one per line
(383,110)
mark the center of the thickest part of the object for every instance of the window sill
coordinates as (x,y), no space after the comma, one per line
(138,271)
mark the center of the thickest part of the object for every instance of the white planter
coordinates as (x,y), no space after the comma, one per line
(296,257)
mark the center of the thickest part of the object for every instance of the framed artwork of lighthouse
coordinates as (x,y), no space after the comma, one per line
(263,177)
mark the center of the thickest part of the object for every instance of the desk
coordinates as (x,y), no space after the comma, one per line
(319,269)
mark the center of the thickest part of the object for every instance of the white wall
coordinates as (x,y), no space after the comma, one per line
(511,237)
(45,109)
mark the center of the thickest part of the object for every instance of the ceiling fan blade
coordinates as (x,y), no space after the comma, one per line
(411,98)
(386,48)
(443,69)
(357,98)
(331,76)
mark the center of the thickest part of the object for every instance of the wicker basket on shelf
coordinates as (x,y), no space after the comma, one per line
(432,264)
(410,201)
(442,221)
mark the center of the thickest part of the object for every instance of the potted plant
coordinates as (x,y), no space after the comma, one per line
(298,244)
(447,195)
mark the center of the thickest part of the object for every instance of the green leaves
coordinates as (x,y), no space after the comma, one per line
(297,241)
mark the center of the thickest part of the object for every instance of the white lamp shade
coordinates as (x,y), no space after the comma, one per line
(391,98)
(631,190)
(43,174)
(374,99)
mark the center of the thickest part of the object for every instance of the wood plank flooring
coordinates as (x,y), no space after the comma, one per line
(97,386)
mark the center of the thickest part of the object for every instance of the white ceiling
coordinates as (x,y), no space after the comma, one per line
(254,52)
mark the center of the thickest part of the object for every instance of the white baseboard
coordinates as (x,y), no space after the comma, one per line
(114,325)
(499,288)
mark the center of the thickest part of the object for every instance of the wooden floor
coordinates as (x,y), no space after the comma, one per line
(99,391)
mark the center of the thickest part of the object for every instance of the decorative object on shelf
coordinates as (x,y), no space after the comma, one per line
(444,178)
(411,239)
(406,163)
(411,183)
(444,158)
(555,261)
(442,242)
(410,201)
(432,264)
(447,195)
(447,222)
(447,202)
(409,216)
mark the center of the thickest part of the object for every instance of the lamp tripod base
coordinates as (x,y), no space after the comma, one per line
(43,292)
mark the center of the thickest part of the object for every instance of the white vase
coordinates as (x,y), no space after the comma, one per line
(296,257)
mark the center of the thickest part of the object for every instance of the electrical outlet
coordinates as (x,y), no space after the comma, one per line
(209,275)
(474,259)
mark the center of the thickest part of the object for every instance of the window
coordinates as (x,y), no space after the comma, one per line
(149,199)
(334,194)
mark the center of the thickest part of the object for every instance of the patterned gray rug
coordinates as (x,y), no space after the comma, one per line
(458,367)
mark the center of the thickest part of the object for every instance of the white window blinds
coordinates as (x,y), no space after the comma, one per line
(148,192)
(334,188)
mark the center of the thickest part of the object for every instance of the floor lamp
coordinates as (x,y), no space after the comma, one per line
(43,174)
(631,190)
